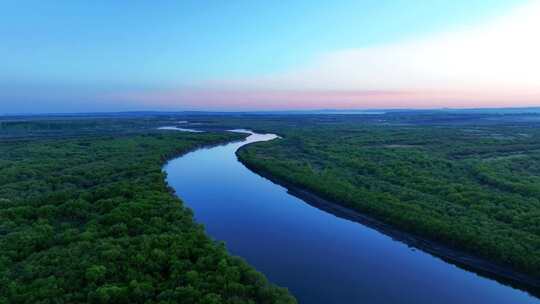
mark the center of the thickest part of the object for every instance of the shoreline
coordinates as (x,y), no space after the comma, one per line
(480,266)
(164,162)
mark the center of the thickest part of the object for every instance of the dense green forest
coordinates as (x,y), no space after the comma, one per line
(86,217)
(472,184)
(85,214)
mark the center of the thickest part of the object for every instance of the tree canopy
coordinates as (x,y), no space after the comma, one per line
(90,219)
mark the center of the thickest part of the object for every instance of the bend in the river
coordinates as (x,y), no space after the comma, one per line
(320,257)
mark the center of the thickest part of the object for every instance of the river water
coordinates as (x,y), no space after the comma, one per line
(319,257)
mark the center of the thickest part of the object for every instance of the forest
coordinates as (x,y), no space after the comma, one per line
(470,182)
(86,217)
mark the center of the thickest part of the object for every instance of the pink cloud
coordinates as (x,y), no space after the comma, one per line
(316,99)
(495,64)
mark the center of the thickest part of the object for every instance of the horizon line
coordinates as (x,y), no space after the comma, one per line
(391,109)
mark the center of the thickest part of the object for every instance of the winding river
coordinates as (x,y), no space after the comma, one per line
(320,257)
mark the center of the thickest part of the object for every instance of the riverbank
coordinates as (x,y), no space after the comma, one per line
(483,267)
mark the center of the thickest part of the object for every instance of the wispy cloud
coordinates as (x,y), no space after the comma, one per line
(503,52)
(489,65)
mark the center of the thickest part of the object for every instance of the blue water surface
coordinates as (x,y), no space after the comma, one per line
(319,257)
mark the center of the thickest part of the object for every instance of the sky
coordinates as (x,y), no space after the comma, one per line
(98,56)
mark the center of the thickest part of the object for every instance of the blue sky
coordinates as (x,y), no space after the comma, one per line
(58,56)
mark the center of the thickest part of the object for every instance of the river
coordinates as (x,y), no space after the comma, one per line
(319,257)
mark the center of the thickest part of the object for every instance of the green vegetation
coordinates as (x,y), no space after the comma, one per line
(474,187)
(89,219)
(85,214)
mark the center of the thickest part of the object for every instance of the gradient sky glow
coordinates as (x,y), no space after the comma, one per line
(82,56)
